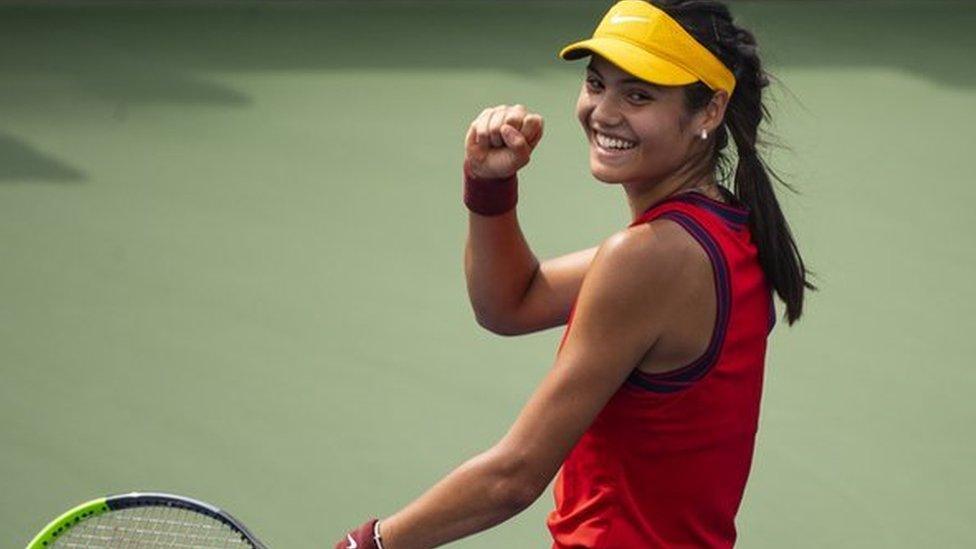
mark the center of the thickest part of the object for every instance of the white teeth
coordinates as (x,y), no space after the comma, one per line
(613,142)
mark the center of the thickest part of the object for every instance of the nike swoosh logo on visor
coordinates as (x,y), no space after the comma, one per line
(618,19)
(352,542)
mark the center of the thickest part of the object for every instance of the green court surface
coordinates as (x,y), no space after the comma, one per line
(231,239)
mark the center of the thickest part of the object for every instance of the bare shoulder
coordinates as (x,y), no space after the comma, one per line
(661,251)
(640,281)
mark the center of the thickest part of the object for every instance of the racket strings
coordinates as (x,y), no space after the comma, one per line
(149,527)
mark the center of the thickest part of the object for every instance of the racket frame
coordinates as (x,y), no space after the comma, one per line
(99,506)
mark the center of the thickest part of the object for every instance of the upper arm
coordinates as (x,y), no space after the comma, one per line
(622,308)
(551,293)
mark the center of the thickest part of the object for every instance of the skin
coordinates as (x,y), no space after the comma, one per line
(644,297)
(670,154)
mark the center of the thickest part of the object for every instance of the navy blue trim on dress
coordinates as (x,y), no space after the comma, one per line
(732,215)
(683,377)
(735,216)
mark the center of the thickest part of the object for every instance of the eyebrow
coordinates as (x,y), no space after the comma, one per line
(629,80)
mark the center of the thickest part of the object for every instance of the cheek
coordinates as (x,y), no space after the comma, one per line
(583,110)
(660,136)
(661,149)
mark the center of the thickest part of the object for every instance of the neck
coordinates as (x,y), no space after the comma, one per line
(643,195)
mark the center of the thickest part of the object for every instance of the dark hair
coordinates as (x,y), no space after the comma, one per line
(710,22)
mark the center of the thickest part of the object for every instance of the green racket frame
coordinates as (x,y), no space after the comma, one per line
(96,507)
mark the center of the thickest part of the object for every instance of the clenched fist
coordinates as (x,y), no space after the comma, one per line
(500,141)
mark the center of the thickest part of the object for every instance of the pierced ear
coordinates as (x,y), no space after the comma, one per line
(715,110)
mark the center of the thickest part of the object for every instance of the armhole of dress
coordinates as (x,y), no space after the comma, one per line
(685,376)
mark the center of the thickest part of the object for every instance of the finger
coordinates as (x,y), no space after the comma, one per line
(471,139)
(481,127)
(515,117)
(515,141)
(532,129)
(484,134)
(495,126)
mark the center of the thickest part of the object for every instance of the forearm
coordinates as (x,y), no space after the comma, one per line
(476,496)
(499,266)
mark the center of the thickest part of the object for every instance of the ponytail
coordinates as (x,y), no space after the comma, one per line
(710,22)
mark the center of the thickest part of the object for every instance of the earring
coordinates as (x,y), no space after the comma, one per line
(704,134)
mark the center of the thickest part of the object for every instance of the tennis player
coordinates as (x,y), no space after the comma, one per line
(649,414)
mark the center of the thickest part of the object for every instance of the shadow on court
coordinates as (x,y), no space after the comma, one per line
(142,53)
(19,161)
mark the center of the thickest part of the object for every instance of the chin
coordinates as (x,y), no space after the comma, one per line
(606,174)
(605,179)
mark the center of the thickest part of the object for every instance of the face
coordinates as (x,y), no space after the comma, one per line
(659,133)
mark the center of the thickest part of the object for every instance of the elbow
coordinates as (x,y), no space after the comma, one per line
(517,489)
(521,496)
(497,324)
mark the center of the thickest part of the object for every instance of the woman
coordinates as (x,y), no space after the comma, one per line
(650,411)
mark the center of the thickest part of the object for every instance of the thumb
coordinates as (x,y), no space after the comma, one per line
(513,140)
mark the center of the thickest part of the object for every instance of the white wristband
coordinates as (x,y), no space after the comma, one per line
(376,535)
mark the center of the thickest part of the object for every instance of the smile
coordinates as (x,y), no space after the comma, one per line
(613,143)
(610,148)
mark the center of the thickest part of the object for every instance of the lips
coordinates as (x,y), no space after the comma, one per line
(610,145)
(608,153)
(613,136)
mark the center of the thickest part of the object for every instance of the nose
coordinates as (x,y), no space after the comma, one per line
(605,112)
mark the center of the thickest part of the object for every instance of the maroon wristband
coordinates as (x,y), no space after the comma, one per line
(490,196)
(360,538)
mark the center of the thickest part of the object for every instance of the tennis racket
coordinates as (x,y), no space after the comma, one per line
(145,520)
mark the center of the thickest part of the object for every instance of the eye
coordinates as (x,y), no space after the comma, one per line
(593,82)
(638,96)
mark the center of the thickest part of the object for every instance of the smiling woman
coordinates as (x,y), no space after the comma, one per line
(650,412)
(654,142)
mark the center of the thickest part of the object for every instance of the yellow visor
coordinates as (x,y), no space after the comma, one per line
(646,42)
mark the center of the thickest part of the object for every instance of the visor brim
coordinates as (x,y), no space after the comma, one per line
(632,59)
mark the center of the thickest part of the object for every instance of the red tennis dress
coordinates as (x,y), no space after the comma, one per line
(665,462)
